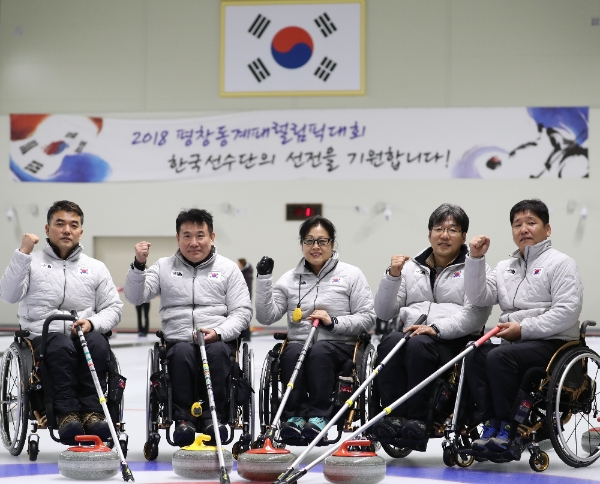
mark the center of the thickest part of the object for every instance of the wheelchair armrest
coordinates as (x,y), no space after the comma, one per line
(22,333)
(584,326)
(280,336)
(365,338)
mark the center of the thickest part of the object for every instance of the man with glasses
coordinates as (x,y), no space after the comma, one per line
(198,289)
(431,284)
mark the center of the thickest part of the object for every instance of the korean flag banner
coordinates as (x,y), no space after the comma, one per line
(293,48)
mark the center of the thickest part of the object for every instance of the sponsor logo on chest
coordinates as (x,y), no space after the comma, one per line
(46,266)
(177,273)
(420,271)
(510,272)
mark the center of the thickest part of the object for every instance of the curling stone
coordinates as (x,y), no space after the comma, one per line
(264,464)
(199,461)
(354,466)
(88,462)
(590,440)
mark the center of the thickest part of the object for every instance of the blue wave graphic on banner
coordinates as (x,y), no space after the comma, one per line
(78,168)
(573,119)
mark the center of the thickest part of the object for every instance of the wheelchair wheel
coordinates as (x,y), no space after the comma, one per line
(248,372)
(269,393)
(14,399)
(151,445)
(572,408)
(366,369)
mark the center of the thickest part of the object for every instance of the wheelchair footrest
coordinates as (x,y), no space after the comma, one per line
(417,445)
(512,453)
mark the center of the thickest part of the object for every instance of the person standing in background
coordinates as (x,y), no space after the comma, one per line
(248,273)
(143,328)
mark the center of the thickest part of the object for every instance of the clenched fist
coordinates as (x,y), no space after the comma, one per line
(479,246)
(27,243)
(142,250)
(397,264)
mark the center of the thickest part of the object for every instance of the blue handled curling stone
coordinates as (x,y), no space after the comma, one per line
(88,462)
(199,461)
(264,464)
(354,466)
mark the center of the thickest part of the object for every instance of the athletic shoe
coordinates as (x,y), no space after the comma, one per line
(185,433)
(501,441)
(69,426)
(313,427)
(387,428)
(292,429)
(490,430)
(95,424)
(415,430)
(210,431)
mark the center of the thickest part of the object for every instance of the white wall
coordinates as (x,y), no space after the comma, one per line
(161,59)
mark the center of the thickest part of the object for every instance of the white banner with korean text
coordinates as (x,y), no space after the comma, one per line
(535,142)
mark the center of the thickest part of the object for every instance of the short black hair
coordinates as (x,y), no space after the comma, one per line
(64,206)
(447,210)
(194,216)
(313,221)
(536,206)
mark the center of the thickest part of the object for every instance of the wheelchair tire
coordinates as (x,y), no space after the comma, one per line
(448,457)
(265,400)
(539,463)
(151,447)
(33,450)
(572,403)
(249,409)
(14,399)
(366,369)
(396,452)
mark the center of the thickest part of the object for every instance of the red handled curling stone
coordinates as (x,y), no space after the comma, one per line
(590,440)
(88,462)
(199,461)
(264,464)
(354,466)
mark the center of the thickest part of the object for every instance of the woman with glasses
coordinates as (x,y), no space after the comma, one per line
(431,283)
(319,287)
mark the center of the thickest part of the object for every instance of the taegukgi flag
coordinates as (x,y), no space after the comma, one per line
(292,48)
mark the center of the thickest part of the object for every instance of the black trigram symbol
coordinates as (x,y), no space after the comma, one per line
(325,24)
(325,69)
(28,146)
(259,70)
(259,25)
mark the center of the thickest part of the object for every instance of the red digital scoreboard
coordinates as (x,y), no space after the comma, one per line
(301,211)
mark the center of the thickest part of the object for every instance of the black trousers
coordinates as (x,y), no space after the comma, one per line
(187,378)
(143,328)
(418,358)
(314,386)
(72,383)
(494,373)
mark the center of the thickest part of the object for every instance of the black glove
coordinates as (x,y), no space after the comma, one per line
(265,266)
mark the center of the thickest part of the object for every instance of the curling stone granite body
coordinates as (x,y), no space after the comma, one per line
(263,467)
(354,470)
(200,464)
(590,440)
(88,465)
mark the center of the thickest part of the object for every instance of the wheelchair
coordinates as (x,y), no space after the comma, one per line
(271,391)
(559,403)
(23,396)
(240,402)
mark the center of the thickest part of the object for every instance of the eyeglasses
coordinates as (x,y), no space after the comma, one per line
(319,242)
(450,230)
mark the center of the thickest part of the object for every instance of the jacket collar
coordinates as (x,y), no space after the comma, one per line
(303,269)
(203,264)
(532,252)
(421,259)
(51,251)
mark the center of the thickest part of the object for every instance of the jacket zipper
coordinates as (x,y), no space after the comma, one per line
(64,294)
(517,290)
(193,299)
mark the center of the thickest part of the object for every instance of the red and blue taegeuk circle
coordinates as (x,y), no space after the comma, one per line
(292,47)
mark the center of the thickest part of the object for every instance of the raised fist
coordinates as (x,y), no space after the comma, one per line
(27,243)
(397,264)
(479,246)
(141,251)
(265,266)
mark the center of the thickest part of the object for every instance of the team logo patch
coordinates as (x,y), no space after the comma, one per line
(84,271)
(214,275)
(537,271)
(457,275)
(46,266)
(336,280)
(177,273)
(420,271)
